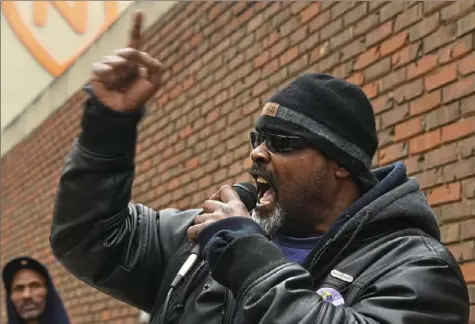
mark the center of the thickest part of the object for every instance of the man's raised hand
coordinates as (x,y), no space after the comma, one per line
(125,80)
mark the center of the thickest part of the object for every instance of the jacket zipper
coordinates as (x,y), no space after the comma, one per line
(317,256)
(223,310)
(228,308)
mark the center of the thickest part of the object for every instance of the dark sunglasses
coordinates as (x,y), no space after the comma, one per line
(277,143)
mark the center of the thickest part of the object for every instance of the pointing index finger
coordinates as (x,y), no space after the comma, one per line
(136,32)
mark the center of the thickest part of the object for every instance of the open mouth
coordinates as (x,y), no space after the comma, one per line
(266,192)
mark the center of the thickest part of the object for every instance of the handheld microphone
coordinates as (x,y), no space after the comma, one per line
(248,194)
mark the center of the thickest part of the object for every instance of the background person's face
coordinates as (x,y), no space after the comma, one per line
(28,293)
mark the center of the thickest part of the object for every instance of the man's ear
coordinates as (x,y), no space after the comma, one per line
(341,173)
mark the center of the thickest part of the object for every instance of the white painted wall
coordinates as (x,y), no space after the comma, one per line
(23,77)
(33,98)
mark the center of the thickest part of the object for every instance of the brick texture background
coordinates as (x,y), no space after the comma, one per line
(415,60)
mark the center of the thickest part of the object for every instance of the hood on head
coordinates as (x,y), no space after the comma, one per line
(54,311)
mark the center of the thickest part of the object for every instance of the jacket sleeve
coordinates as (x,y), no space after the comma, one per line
(109,243)
(268,289)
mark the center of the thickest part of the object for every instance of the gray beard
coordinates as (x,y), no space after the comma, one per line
(272,223)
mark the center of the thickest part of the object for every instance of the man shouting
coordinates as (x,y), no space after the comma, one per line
(329,241)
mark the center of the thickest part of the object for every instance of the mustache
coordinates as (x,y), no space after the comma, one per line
(257,170)
(28,303)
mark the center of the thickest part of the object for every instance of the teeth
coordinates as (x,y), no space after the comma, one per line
(262,201)
(262,180)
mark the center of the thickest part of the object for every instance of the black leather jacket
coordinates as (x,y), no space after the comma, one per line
(384,258)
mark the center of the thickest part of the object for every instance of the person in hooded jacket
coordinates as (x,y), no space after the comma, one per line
(31,297)
(329,241)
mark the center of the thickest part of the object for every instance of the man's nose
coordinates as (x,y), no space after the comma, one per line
(26,293)
(260,154)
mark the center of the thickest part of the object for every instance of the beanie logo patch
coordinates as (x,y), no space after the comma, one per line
(270,109)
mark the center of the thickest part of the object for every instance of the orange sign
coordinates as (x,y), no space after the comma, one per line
(74,13)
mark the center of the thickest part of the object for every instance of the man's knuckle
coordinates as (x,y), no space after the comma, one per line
(199,219)
(207,205)
(226,209)
(157,64)
(210,220)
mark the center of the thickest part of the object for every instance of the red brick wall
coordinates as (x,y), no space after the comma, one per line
(416,61)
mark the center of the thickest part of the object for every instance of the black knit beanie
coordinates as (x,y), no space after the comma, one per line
(333,115)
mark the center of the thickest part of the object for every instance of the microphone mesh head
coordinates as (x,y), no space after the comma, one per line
(248,194)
